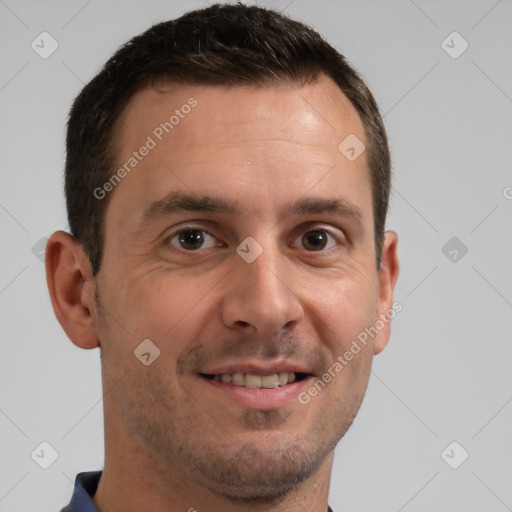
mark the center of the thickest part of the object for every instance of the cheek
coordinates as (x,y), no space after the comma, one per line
(164,307)
(344,309)
(166,310)
(349,311)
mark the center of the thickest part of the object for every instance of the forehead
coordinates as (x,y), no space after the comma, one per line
(274,142)
(299,112)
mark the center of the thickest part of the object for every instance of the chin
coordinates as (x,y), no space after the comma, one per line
(255,473)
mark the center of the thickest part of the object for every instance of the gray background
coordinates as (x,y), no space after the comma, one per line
(445,376)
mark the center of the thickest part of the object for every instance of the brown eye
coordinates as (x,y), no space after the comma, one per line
(315,240)
(192,239)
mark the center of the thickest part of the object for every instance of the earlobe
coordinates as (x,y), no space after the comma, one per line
(388,275)
(71,287)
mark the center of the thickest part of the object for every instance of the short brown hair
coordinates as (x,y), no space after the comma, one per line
(218,45)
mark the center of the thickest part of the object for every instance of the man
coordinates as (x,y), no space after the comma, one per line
(227,182)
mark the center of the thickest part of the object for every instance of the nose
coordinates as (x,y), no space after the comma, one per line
(261,296)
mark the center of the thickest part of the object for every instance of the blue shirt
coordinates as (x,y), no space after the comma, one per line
(85,487)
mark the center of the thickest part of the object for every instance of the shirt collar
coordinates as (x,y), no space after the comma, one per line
(85,487)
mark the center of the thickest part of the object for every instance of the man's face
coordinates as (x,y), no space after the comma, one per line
(174,276)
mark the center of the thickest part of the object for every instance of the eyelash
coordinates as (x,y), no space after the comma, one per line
(169,238)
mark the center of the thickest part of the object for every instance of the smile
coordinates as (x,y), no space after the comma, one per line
(249,380)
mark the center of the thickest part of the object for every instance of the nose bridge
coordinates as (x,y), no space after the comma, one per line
(260,294)
(265,273)
(264,276)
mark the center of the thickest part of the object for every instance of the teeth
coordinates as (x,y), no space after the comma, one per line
(282,379)
(238,379)
(269,382)
(256,381)
(252,381)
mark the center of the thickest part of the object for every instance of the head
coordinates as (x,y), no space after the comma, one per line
(239,239)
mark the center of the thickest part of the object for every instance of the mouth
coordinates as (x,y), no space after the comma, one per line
(255,388)
(249,380)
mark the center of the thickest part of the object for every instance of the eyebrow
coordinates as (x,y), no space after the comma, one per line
(179,201)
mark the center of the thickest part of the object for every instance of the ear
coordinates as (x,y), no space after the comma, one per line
(388,274)
(71,286)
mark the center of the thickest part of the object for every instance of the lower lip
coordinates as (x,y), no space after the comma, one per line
(259,398)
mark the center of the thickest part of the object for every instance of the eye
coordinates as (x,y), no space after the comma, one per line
(192,239)
(318,240)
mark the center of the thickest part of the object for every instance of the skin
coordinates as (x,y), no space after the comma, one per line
(171,442)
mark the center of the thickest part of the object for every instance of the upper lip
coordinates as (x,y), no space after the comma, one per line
(258,368)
